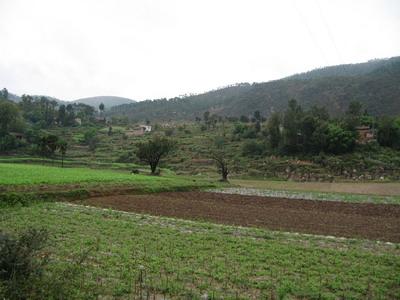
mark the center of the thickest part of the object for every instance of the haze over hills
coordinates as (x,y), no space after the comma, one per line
(376,84)
(108,101)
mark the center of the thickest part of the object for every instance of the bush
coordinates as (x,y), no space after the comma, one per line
(126,157)
(8,142)
(25,271)
(169,132)
(251,148)
(21,267)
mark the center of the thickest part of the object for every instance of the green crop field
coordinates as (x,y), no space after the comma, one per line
(24,174)
(184,259)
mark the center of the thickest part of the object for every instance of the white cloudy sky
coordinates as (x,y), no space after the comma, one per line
(156,48)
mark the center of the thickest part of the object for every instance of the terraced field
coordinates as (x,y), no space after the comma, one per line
(371,221)
(147,237)
(134,254)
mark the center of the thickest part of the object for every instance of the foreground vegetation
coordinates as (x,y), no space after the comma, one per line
(131,254)
(14,175)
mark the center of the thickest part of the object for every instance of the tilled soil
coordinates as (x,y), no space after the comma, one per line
(358,220)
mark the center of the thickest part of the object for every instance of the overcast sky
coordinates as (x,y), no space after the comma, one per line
(146,49)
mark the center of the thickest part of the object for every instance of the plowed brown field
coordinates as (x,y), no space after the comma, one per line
(359,220)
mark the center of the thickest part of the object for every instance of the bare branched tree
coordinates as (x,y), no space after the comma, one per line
(219,155)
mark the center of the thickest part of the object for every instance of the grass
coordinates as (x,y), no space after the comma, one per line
(185,259)
(24,174)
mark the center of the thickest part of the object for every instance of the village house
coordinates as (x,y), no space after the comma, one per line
(365,135)
(19,136)
(139,130)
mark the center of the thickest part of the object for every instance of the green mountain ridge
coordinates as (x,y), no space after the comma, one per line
(376,84)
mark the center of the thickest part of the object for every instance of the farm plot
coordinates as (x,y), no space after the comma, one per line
(310,195)
(25,177)
(169,258)
(358,220)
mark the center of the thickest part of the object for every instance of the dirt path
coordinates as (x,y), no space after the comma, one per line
(370,221)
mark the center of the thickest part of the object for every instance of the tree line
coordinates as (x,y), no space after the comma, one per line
(34,113)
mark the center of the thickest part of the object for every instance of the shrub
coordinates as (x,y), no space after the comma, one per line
(251,148)
(169,131)
(21,267)
(126,157)
(25,271)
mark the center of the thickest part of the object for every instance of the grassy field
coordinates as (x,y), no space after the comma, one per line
(184,259)
(24,174)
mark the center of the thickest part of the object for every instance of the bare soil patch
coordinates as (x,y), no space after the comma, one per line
(358,220)
(366,188)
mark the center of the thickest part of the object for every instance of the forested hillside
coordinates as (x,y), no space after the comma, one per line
(376,84)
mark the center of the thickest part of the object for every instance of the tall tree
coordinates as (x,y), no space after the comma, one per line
(257,116)
(291,129)
(153,150)
(8,116)
(62,147)
(389,133)
(4,94)
(48,145)
(273,131)
(206,116)
(101,108)
(62,115)
(219,154)
(353,115)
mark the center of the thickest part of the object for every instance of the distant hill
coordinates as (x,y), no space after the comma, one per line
(376,84)
(108,101)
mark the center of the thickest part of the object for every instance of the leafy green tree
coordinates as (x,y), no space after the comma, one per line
(319,113)
(70,116)
(4,94)
(273,131)
(389,133)
(252,148)
(339,140)
(353,115)
(62,115)
(238,128)
(8,116)
(47,145)
(91,139)
(291,127)
(101,108)
(8,142)
(355,108)
(206,116)
(152,151)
